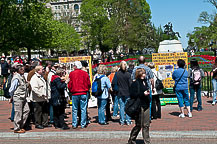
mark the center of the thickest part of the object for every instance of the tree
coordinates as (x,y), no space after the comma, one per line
(30,25)
(113,23)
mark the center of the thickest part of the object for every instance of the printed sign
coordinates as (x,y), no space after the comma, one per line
(165,63)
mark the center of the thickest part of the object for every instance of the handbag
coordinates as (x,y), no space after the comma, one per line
(132,106)
(174,87)
(158,83)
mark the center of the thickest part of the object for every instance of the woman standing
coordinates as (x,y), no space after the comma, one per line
(181,82)
(195,74)
(102,100)
(123,83)
(139,89)
(214,81)
(156,106)
(58,100)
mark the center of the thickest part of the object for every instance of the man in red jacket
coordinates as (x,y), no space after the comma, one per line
(79,85)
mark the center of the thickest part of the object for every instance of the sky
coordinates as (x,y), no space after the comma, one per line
(183,14)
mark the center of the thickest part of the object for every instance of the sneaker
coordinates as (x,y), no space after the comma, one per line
(181,115)
(190,115)
(213,103)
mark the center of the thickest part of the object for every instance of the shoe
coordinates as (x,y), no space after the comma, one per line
(128,123)
(23,130)
(213,103)
(190,115)
(104,123)
(39,127)
(49,125)
(74,127)
(121,124)
(84,126)
(181,115)
(65,128)
(19,131)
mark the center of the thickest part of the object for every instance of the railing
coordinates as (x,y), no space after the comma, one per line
(207,83)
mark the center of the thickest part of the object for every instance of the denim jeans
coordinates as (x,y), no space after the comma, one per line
(12,112)
(150,105)
(101,110)
(122,101)
(51,112)
(198,94)
(182,96)
(115,107)
(214,85)
(82,101)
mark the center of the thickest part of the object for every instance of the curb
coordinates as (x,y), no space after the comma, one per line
(108,135)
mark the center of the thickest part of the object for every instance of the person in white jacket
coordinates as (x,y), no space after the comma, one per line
(39,97)
(156,106)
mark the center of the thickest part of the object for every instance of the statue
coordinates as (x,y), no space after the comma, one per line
(168,30)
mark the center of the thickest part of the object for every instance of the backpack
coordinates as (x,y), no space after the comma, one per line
(7,86)
(158,83)
(96,87)
(196,76)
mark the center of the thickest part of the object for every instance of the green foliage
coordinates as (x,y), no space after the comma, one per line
(30,24)
(202,36)
(112,23)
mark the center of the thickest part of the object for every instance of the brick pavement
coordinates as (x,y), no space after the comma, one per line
(205,120)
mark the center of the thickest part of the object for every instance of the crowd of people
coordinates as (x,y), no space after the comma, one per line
(40,94)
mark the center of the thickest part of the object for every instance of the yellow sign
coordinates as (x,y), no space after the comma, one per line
(78,58)
(165,63)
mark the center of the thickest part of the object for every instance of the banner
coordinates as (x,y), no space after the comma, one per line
(166,63)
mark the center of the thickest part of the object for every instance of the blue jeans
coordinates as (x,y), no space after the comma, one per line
(82,100)
(12,112)
(51,112)
(214,85)
(115,107)
(150,105)
(101,110)
(182,96)
(122,101)
(198,94)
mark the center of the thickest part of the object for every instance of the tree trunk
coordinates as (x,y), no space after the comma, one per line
(29,54)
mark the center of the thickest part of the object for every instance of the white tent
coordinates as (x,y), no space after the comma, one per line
(170,46)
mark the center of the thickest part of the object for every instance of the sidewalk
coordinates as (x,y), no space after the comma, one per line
(203,124)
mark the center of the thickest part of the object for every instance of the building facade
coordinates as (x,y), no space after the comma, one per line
(67,11)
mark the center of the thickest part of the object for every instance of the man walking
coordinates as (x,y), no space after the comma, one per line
(79,85)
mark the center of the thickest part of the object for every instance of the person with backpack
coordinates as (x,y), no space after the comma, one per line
(140,90)
(79,86)
(156,106)
(123,80)
(180,76)
(195,75)
(100,89)
(18,92)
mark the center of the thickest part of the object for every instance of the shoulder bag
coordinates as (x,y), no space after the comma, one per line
(174,87)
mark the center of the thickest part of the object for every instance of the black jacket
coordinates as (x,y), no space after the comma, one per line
(57,91)
(123,81)
(137,90)
(4,67)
